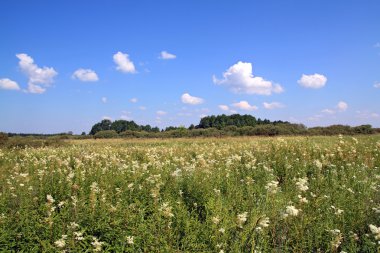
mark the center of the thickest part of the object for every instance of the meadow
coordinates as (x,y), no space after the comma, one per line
(252,194)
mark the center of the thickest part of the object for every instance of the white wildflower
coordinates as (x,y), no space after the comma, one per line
(166,210)
(302,199)
(291,210)
(79,236)
(96,244)
(272,187)
(264,222)
(241,219)
(215,220)
(318,164)
(61,243)
(302,184)
(375,231)
(130,239)
(50,199)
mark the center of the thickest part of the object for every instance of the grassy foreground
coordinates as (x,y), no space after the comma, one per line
(293,194)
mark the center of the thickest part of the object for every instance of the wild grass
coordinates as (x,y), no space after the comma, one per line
(293,194)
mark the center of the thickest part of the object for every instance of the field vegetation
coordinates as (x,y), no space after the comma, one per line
(234,194)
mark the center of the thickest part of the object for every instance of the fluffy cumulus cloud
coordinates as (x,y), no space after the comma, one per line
(124,64)
(133,100)
(167,56)
(244,105)
(8,84)
(273,105)
(314,81)
(342,106)
(377,85)
(38,78)
(85,75)
(224,107)
(186,98)
(239,79)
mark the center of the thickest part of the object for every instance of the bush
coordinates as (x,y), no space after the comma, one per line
(31,142)
(3,138)
(106,134)
(136,134)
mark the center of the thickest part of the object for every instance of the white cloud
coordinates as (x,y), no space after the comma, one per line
(342,106)
(8,84)
(273,105)
(367,115)
(377,85)
(188,99)
(244,105)
(124,64)
(328,111)
(104,100)
(167,56)
(133,100)
(85,75)
(36,76)
(161,113)
(239,79)
(224,107)
(314,81)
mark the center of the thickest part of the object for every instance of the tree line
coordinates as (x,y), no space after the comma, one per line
(120,126)
(221,125)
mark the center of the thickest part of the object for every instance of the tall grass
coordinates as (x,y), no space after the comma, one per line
(294,194)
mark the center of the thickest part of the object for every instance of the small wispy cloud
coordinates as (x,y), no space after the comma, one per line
(244,105)
(273,105)
(167,56)
(342,106)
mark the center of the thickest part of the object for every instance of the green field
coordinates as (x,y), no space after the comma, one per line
(291,194)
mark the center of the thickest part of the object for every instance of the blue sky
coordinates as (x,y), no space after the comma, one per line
(65,65)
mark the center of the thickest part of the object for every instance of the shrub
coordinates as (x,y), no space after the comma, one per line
(32,142)
(106,134)
(3,138)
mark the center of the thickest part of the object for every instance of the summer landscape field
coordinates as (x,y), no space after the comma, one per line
(253,194)
(190,126)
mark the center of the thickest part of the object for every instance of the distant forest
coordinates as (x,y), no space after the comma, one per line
(210,126)
(222,125)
